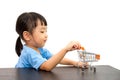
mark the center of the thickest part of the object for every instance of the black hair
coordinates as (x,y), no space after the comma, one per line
(27,21)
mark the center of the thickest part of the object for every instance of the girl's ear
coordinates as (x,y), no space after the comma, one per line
(26,35)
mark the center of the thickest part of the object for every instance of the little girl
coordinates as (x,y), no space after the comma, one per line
(32,29)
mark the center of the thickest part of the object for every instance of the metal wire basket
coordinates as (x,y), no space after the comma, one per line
(88,57)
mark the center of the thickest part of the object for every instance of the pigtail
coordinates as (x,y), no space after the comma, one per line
(18,46)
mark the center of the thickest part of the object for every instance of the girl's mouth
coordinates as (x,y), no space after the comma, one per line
(45,40)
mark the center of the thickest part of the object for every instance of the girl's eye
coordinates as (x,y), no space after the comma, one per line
(42,31)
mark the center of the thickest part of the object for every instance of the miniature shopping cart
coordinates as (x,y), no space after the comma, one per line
(88,57)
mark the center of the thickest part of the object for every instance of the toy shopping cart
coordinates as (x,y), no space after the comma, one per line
(88,57)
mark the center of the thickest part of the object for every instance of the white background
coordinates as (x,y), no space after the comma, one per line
(94,23)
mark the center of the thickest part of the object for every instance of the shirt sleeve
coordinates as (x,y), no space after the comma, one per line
(36,60)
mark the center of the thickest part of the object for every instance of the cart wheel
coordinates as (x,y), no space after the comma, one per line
(82,69)
(94,69)
(91,68)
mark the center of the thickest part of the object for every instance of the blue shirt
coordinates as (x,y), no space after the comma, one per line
(29,58)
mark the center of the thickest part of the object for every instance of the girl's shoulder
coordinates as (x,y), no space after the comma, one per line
(27,50)
(43,49)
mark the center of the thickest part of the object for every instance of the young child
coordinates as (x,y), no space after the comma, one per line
(32,29)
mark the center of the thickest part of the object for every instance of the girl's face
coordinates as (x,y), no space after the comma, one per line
(39,36)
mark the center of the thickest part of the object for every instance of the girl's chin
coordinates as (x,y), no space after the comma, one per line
(42,45)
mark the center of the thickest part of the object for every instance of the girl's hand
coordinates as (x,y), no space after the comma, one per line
(73,45)
(82,64)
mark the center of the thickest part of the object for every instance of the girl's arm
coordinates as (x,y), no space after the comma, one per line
(53,61)
(56,59)
(66,61)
